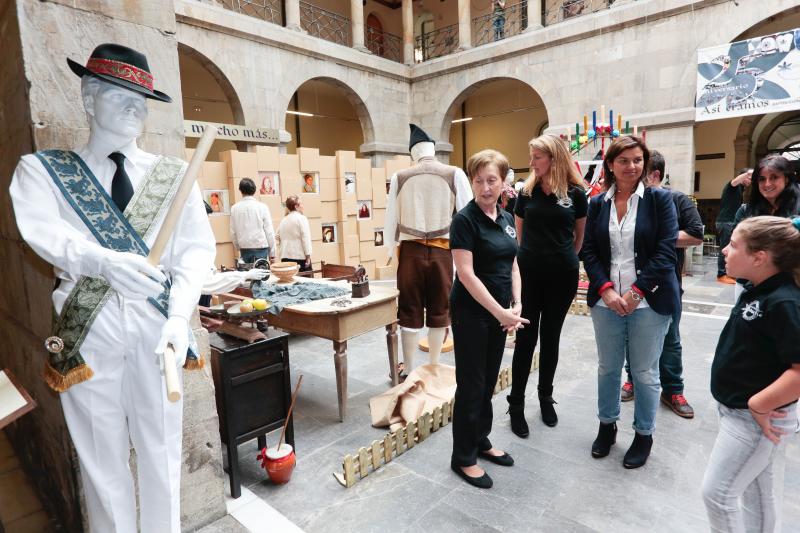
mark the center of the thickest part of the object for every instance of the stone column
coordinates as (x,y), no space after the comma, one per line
(380,152)
(293,15)
(534,15)
(408,32)
(464,25)
(357,23)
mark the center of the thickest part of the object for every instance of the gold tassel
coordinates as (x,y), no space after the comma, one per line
(194,364)
(60,382)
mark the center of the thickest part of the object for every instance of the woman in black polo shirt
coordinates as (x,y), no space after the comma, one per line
(550,219)
(484,306)
(755,377)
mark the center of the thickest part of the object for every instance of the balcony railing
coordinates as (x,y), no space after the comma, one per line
(495,26)
(325,24)
(269,10)
(384,44)
(437,43)
(561,10)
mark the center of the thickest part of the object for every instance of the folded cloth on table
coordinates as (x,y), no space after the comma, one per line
(427,387)
(297,293)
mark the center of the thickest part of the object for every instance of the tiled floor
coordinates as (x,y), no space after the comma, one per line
(20,509)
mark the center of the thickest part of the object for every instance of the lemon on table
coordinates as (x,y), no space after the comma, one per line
(259,304)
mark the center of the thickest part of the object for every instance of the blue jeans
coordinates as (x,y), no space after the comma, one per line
(743,483)
(249,255)
(670,364)
(641,335)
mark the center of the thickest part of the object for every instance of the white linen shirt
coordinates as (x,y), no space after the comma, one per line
(621,236)
(57,234)
(251,225)
(463,196)
(294,236)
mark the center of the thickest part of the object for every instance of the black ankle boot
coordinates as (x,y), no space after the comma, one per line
(639,451)
(606,437)
(549,416)
(516,409)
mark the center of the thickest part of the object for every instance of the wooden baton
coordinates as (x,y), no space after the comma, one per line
(164,234)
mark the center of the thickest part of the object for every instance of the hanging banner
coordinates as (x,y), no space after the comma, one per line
(236,132)
(752,77)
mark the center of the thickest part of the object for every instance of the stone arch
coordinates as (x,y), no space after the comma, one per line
(221,79)
(467,89)
(753,29)
(362,112)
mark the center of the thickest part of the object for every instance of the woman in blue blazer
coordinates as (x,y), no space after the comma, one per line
(629,255)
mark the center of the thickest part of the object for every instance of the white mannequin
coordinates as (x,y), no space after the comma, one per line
(219,282)
(125,401)
(116,119)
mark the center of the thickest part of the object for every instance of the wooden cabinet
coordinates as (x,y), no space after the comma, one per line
(253,392)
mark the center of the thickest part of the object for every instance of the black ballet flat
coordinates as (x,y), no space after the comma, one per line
(502,460)
(483,482)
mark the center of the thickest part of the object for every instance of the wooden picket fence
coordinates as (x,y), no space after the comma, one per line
(396,443)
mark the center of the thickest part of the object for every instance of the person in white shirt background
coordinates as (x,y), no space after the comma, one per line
(123,399)
(251,226)
(294,235)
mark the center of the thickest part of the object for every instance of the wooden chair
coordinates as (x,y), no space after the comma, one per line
(332,272)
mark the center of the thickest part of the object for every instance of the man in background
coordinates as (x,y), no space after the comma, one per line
(690,233)
(252,234)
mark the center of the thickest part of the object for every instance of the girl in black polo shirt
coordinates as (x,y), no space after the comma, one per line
(550,219)
(755,377)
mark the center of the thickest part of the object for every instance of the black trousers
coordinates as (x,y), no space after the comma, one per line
(479,344)
(546,297)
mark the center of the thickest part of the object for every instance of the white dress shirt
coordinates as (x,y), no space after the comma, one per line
(621,236)
(56,233)
(294,236)
(251,225)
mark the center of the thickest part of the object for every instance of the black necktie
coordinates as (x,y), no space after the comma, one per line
(121,187)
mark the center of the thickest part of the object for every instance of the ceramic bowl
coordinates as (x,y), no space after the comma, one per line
(285,271)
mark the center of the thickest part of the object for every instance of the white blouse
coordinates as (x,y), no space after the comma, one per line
(294,236)
(621,235)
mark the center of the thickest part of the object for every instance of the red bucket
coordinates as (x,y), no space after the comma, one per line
(278,462)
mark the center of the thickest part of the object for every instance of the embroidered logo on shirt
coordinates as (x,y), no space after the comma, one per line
(751,311)
(511,232)
(565,202)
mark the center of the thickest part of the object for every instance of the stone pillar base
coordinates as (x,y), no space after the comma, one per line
(380,152)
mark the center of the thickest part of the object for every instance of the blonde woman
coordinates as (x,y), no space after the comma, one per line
(550,216)
(294,235)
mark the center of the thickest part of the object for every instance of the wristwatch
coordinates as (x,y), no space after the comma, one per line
(636,296)
(513,303)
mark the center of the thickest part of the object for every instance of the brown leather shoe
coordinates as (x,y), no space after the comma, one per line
(678,404)
(726,279)
(626,394)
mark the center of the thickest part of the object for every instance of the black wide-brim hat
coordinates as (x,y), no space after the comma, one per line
(122,66)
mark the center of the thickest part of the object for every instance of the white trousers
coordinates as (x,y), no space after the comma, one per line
(125,402)
(743,483)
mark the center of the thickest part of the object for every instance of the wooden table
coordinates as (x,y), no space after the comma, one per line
(341,324)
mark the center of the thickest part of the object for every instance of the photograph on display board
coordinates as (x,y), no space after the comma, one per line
(350,182)
(218,201)
(270,183)
(328,233)
(378,236)
(365,210)
(388,186)
(311,182)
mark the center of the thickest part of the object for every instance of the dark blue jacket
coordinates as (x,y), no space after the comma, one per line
(654,249)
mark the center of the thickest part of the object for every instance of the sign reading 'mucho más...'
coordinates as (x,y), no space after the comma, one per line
(236,132)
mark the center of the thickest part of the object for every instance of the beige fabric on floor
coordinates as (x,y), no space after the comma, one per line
(427,387)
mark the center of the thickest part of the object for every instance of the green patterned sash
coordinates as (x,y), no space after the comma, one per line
(115,231)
